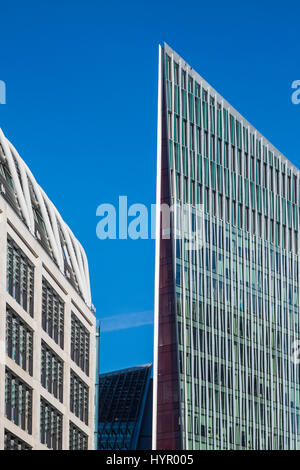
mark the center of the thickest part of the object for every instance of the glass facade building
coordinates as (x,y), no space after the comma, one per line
(125,409)
(226,310)
(47,326)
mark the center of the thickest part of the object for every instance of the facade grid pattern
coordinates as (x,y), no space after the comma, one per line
(236,298)
(12,442)
(122,398)
(37,303)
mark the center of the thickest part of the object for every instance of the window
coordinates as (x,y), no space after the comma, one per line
(233,213)
(258,174)
(233,166)
(192,140)
(289,190)
(220,151)
(52,370)
(80,344)
(226,155)
(252,169)
(247,219)
(266,228)
(183,79)
(271,179)
(176,73)
(240,215)
(213,148)
(290,240)
(186,189)
(50,426)
(176,130)
(193,201)
(170,124)
(19,341)
(240,161)
(253,222)
(18,401)
(205,150)
(272,231)
(20,276)
(52,313)
(4,170)
(284,236)
(199,140)
(184,132)
(259,225)
(214,203)
(265,176)
(168,68)
(207,200)
(191,85)
(12,442)
(78,440)
(283,185)
(178,186)
(227,210)
(220,206)
(79,398)
(277,181)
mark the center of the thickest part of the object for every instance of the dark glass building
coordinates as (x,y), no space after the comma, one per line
(125,409)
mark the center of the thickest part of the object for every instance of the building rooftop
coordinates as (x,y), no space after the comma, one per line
(20,189)
(225,104)
(125,403)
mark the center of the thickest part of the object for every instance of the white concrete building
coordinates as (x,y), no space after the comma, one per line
(47,326)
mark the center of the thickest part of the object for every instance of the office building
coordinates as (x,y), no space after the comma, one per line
(125,409)
(47,327)
(227,302)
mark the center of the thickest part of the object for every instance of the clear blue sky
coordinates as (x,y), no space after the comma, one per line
(81,109)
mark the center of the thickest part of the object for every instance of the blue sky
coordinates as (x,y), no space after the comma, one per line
(81,109)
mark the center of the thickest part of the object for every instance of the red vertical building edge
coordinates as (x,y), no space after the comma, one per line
(168,406)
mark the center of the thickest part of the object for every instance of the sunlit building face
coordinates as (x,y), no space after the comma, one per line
(47,328)
(227,311)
